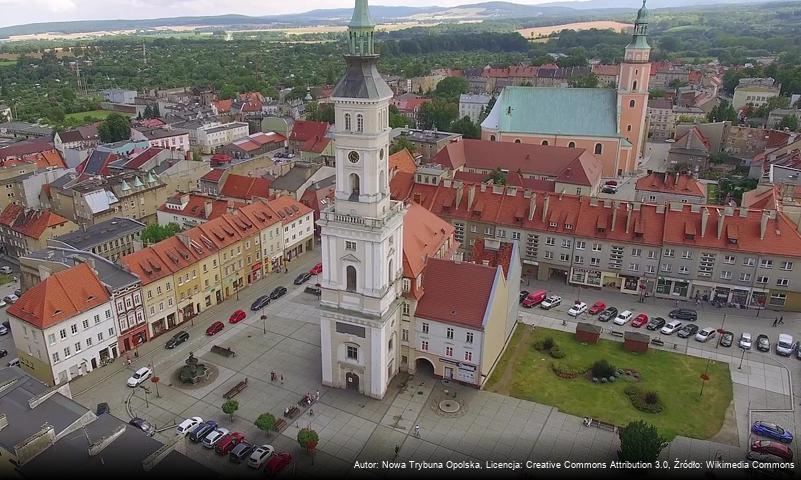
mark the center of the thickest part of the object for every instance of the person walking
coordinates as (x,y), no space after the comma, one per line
(775,321)
(417,431)
(311,412)
(317,397)
(272,375)
(781,320)
(282,379)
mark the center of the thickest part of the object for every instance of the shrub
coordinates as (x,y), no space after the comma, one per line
(565,370)
(644,401)
(557,352)
(548,343)
(603,380)
(602,369)
(612,379)
(594,379)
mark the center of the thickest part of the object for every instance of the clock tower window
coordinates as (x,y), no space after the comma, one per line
(359,122)
(351,277)
(354,186)
(347,122)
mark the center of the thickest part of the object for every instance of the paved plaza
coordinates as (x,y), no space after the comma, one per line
(354,428)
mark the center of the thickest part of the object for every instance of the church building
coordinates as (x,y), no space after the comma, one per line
(609,123)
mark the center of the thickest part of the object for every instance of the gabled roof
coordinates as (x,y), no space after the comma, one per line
(220,232)
(29,222)
(424,234)
(245,188)
(214,175)
(692,139)
(303,130)
(196,207)
(401,161)
(143,157)
(288,209)
(26,147)
(59,297)
(146,265)
(671,183)
(47,159)
(97,163)
(315,144)
(260,214)
(174,254)
(498,255)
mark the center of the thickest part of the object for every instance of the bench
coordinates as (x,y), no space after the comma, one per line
(616,333)
(313,290)
(591,422)
(224,351)
(280,425)
(292,412)
(236,390)
(657,341)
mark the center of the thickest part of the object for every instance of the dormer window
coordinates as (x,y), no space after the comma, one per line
(568,226)
(552,224)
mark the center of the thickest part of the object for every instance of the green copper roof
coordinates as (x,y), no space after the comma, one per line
(361,16)
(555,111)
(642,14)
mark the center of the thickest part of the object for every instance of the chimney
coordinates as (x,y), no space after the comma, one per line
(629,216)
(207,208)
(471,195)
(532,206)
(231,207)
(459,194)
(545,203)
(614,215)
(743,212)
(763,224)
(704,221)
(96,447)
(721,217)
(483,187)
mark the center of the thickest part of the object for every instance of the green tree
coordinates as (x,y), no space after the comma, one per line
(308,439)
(227,92)
(114,128)
(320,113)
(451,87)
(197,156)
(148,111)
(438,113)
(230,407)
(56,114)
(640,441)
(789,121)
(156,112)
(396,119)
(772,104)
(722,112)
(399,144)
(584,81)
(498,177)
(155,233)
(265,422)
(466,127)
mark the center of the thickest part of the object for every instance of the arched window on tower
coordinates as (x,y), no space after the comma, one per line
(492,138)
(354,186)
(632,103)
(634,85)
(351,278)
(572,145)
(598,148)
(347,122)
(359,122)
(544,142)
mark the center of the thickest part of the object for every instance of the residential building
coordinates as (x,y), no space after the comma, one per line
(409,105)
(689,114)
(608,75)
(302,175)
(81,138)
(179,256)
(10,170)
(64,326)
(754,92)
(271,238)
(110,239)
(776,116)
(609,123)
(298,223)
(303,131)
(318,196)
(26,189)
(171,166)
(191,209)
(661,121)
(318,150)
(157,290)
(241,188)
(171,138)
(426,143)
(662,187)
(212,182)
(473,106)
(230,245)
(208,268)
(690,151)
(11,129)
(255,144)
(118,95)
(210,139)
(23,230)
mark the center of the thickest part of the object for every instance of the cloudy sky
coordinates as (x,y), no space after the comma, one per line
(16,12)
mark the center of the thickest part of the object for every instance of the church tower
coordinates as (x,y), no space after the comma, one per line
(632,89)
(362,233)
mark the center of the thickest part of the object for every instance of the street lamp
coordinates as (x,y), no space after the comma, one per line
(264,323)
(721,331)
(741,360)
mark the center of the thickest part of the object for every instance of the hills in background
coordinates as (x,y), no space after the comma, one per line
(380,14)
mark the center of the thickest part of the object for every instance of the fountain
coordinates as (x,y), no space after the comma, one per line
(193,372)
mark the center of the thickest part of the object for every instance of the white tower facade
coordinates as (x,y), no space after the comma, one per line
(362,233)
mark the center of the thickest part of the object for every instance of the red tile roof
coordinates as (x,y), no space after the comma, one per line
(214,175)
(47,159)
(401,161)
(174,254)
(501,256)
(302,130)
(688,139)
(424,235)
(143,157)
(606,70)
(260,214)
(288,209)
(220,232)
(60,297)
(26,147)
(762,197)
(263,138)
(456,292)
(29,222)
(223,106)
(315,144)
(196,207)
(245,188)
(146,265)
(671,183)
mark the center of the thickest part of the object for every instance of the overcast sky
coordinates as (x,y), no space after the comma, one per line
(16,12)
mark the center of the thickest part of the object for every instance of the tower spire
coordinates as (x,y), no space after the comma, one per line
(640,28)
(360,31)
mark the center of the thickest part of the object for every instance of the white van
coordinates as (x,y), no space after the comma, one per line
(623,317)
(785,345)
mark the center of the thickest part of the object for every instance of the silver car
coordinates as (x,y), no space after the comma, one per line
(260,455)
(745,341)
(210,440)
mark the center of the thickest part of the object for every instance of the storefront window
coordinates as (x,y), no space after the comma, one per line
(630,283)
(663,286)
(758,299)
(578,276)
(594,279)
(680,288)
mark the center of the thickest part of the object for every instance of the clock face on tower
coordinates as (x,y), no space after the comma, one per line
(353,157)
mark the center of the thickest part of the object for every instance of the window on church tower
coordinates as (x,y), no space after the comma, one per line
(360,122)
(632,102)
(634,85)
(572,144)
(351,278)
(545,142)
(598,148)
(628,128)
(347,122)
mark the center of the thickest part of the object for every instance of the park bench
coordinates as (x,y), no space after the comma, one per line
(658,341)
(280,425)
(235,390)
(224,351)
(313,290)
(291,412)
(616,333)
(592,422)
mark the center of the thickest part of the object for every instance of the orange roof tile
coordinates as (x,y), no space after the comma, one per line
(29,222)
(220,232)
(424,234)
(401,161)
(174,254)
(671,183)
(196,207)
(288,209)
(147,265)
(246,188)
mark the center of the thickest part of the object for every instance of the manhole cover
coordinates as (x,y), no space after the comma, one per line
(449,406)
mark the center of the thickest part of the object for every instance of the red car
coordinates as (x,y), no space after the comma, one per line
(639,320)
(773,448)
(237,316)
(317,269)
(596,308)
(277,462)
(228,442)
(215,328)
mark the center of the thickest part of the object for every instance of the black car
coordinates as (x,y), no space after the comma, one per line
(656,323)
(684,314)
(177,339)
(688,330)
(7,324)
(302,278)
(763,343)
(608,314)
(278,293)
(726,339)
(142,424)
(241,452)
(523,295)
(102,408)
(3,353)
(18,292)
(260,303)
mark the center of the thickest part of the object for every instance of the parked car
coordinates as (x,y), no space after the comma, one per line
(14,362)
(2,303)
(228,442)
(187,425)
(655,323)
(278,292)
(551,302)
(317,269)
(139,377)
(774,448)
(200,432)
(785,345)
(302,278)
(18,292)
(534,298)
(623,317)
(215,328)
(577,309)
(241,451)
(762,343)
(608,314)
(639,320)
(278,462)
(260,303)
(177,339)
(684,314)
(142,425)
(772,430)
(745,341)
(260,455)
(597,308)
(726,339)
(705,334)
(5,270)
(215,436)
(10,298)
(609,189)
(3,330)
(688,331)
(523,295)
(672,327)
(237,316)
(611,182)
(102,408)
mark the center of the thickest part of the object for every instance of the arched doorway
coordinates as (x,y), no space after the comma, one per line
(352,381)
(355,186)
(424,367)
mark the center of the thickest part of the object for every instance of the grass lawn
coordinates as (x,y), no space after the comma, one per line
(75,119)
(712,192)
(7,63)
(525,373)
(6,279)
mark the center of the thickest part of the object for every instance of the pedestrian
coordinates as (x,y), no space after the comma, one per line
(272,375)
(397,449)
(417,431)
(781,320)
(776,321)
(317,396)
(311,412)
(282,379)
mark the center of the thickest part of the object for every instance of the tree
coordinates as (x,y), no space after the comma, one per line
(265,422)
(640,441)
(451,87)
(230,407)
(438,113)
(772,104)
(148,111)
(156,112)
(227,92)
(396,119)
(584,81)
(114,128)
(789,121)
(320,113)
(722,112)
(466,127)
(308,439)
(155,233)
(399,144)
(498,177)
(56,114)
